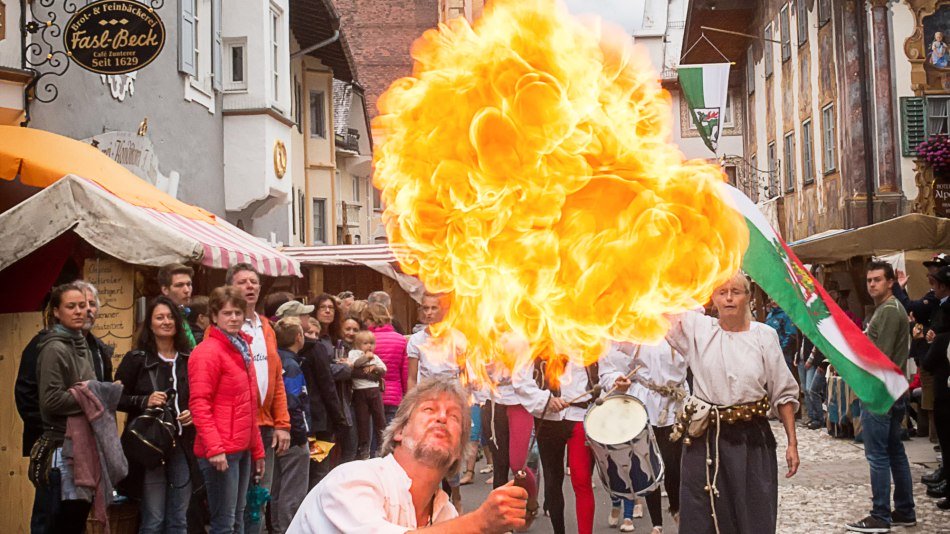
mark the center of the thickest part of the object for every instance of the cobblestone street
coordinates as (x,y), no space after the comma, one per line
(830,489)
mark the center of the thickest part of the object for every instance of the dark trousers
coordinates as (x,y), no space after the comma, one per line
(942,426)
(40,516)
(553,438)
(671,452)
(66,517)
(368,404)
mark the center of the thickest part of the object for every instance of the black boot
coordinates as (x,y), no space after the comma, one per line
(935,476)
(944,504)
(938,491)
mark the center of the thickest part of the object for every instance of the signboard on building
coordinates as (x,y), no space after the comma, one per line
(941,191)
(115,281)
(136,153)
(114,36)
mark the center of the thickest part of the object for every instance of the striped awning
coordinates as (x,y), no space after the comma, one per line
(342,254)
(133,233)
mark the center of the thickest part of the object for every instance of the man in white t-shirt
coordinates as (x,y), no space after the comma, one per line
(400,491)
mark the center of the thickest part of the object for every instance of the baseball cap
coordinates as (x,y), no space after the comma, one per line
(293,308)
(939,260)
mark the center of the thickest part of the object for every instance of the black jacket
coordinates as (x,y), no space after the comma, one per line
(922,308)
(26,390)
(133,372)
(326,410)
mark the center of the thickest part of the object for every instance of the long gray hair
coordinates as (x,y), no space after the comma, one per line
(425,390)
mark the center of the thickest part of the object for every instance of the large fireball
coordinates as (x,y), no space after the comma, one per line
(527,170)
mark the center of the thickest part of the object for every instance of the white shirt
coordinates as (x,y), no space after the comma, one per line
(659,364)
(255,328)
(573,384)
(437,356)
(174,362)
(733,367)
(369,496)
(365,383)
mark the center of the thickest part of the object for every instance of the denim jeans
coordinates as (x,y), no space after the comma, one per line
(885,453)
(227,492)
(166,492)
(627,506)
(815,396)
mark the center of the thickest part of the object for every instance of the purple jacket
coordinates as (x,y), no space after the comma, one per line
(391,348)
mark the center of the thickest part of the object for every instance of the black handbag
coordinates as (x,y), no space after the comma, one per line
(149,439)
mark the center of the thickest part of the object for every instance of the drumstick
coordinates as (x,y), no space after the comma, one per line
(600,400)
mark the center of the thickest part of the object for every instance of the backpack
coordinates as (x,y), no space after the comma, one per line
(149,439)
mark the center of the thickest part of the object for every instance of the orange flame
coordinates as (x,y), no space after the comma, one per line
(527,170)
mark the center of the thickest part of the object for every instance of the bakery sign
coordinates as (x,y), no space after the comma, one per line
(114,36)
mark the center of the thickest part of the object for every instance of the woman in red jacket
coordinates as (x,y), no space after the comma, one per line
(391,348)
(224,403)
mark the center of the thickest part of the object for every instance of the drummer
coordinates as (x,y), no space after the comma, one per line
(729,473)
(559,410)
(660,383)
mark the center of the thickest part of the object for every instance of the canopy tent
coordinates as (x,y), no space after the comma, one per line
(904,233)
(378,257)
(114,210)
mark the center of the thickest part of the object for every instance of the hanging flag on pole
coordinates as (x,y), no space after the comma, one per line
(775,268)
(706,88)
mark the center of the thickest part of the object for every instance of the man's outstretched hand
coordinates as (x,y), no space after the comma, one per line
(504,509)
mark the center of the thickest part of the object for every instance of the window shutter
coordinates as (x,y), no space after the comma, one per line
(186,38)
(913,124)
(217,76)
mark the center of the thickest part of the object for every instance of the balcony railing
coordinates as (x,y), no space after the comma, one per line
(348,214)
(349,141)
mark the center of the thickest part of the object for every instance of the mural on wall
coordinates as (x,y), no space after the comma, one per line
(938,55)
(928,48)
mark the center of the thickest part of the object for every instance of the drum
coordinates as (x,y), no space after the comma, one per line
(621,438)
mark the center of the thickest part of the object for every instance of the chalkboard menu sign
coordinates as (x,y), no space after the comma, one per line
(114,36)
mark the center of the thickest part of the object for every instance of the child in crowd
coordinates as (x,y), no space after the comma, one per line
(291,468)
(367,398)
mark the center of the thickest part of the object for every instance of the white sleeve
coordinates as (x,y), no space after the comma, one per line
(780,384)
(412,348)
(533,398)
(352,505)
(354,355)
(611,367)
(379,363)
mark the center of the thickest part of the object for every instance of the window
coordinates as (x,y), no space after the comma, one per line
(767,54)
(319,221)
(808,157)
(786,33)
(750,70)
(275,24)
(937,123)
(301,215)
(801,18)
(824,12)
(293,210)
(298,104)
(828,139)
(751,184)
(235,68)
(789,156)
(318,119)
(773,172)
(356,189)
(200,50)
(377,200)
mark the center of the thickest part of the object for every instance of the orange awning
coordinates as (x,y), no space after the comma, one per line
(40,158)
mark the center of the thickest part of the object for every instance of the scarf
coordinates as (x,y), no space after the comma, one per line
(241,345)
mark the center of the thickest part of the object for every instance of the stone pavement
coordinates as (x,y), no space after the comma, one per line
(831,488)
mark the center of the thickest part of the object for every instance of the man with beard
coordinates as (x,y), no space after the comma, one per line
(26,391)
(401,491)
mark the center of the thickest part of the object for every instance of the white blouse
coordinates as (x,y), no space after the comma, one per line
(733,367)
(365,496)
(659,364)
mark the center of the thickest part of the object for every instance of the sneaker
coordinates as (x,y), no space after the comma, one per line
(657,530)
(487,469)
(869,524)
(638,510)
(815,425)
(900,520)
(614,518)
(627,525)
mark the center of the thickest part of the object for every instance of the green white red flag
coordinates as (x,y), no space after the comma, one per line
(876,380)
